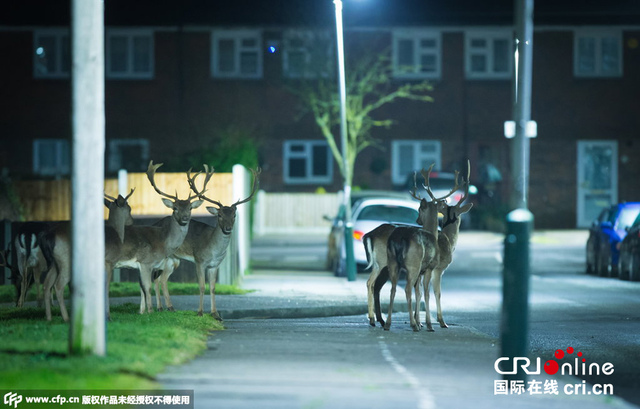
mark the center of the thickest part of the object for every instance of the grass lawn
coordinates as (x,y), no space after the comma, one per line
(8,292)
(33,353)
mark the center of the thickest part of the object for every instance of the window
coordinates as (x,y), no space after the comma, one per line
(129,54)
(51,53)
(129,154)
(307,54)
(307,162)
(416,54)
(408,156)
(489,55)
(597,54)
(236,54)
(51,157)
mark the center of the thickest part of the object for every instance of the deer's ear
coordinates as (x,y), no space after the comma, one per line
(196,204)
(107,203)
(168,203)
(465,208)
(213,210)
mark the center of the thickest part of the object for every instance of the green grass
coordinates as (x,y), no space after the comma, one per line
(33,352)
(126,289)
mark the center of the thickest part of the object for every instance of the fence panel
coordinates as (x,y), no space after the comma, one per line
(282,213)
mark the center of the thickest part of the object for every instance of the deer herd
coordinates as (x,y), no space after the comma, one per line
(156,251)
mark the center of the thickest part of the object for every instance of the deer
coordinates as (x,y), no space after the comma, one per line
(31,260)
(205,245)
(56,244)
(414,251)
(447,240)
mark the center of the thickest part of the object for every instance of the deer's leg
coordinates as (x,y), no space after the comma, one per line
(61,283)
(145,280)
(370,289)
(427,283)
(393,275)
(24,288)
(171,266)
(213,277)
(48,283)
(411,283)
(36,278)
(201,283)
(156,286)
(437,282)
(380,281)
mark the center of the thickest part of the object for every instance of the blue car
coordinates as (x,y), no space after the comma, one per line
(605,235)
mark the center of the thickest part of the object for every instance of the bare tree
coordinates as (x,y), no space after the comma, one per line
(370,86)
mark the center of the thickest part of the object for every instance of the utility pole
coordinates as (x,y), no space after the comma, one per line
(348,225)
(87,333)
(514,332)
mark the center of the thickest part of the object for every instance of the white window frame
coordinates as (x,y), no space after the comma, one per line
(60,35)
(598,35)
(416,36)
(237,36)
(306,154)
(114,162)
(419,158)
(489,36)
(307,36)
(57,148)
(129,34)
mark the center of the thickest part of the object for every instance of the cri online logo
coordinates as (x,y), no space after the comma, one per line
(552,366)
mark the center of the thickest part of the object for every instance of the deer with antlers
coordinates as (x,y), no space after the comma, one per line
(206,245)
(447,240)
(414,250)
(56,244)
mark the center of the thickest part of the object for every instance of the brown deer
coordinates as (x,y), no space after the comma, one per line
(205,245)
(447,240)
(31,261)
(414,250)
(56,244)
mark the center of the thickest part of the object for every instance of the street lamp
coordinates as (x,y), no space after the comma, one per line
(348,226)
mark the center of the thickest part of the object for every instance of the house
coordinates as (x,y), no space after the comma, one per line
(184,76)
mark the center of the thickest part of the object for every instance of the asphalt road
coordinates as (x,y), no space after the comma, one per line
(341,362)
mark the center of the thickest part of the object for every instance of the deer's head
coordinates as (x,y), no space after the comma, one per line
(181,207)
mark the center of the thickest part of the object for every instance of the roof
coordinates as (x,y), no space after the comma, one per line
(357,13)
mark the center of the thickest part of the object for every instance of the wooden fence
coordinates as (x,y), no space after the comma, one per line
(50,200)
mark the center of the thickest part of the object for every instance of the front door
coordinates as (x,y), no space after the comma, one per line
(597,178)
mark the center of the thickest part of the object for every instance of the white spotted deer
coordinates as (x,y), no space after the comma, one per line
(414,251)
(447,240)
(31,260)
(206,245)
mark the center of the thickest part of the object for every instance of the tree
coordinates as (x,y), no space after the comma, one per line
(369,87)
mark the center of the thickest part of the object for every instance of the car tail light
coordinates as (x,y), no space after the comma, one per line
(357,234)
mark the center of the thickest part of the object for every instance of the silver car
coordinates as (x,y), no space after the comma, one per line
(367,214)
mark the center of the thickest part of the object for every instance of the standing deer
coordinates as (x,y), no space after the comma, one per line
(146,247)
(447,240)
(206,245)
(56,244)
(31,259)
(414,250)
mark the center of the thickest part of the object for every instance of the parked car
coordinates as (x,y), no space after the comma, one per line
(605,237)
(441,184)
(367,214)
(629,259)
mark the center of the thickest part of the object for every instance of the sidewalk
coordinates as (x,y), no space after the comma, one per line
(459,357)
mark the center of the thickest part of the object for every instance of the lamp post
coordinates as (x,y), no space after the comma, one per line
(348,226)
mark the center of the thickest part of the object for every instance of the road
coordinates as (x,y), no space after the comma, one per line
(342,362)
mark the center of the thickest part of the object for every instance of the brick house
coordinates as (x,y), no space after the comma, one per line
(181,73)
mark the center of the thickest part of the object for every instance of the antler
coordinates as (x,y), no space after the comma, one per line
(414,192)
(151,171)
(254,188)
(124,199)
(466,184)
(200,194)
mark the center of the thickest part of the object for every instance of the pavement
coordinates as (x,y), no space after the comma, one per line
(460,355)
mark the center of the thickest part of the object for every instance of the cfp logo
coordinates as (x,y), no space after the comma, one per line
(12,399)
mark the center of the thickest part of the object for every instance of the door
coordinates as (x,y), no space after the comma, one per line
(597,179)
